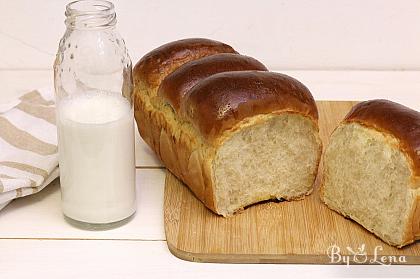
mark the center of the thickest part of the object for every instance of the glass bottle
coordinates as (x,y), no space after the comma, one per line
(93,86)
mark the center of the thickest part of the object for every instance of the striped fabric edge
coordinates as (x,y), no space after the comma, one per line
(22,192)
(14,183)
(19,175)
(7,196)
(3,205)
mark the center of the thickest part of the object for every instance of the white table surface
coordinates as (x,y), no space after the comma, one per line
(35,241)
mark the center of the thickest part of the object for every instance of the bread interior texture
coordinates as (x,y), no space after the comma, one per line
(273,156)
(367,177)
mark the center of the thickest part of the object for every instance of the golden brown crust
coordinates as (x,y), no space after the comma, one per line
(396,119)
(222,100)
(177,150)
(175,86)
(157,64)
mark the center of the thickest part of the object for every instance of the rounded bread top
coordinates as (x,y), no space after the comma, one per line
(176,85)
(153,67)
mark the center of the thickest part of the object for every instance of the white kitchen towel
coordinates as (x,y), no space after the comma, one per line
(28,145)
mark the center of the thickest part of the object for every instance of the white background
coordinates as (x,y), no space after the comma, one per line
(283,34)
(352,50)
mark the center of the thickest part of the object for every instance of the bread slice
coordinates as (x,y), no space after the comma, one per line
(273,156)
(371,170)
(235,137)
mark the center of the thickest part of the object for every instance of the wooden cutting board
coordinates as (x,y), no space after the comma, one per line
(303,231)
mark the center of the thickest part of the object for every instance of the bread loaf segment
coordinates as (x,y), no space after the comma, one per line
(176,85)
(270,153)
(371,170)
(398,120)
(223,100)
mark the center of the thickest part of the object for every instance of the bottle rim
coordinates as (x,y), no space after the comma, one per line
(90,14)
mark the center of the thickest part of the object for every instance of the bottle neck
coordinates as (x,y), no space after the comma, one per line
(90,15)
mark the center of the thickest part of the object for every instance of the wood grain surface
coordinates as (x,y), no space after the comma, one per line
(275,232)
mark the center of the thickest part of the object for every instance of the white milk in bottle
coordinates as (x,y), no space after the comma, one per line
(96,154)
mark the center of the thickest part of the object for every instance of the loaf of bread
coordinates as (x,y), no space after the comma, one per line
(233,132)
(372,170)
